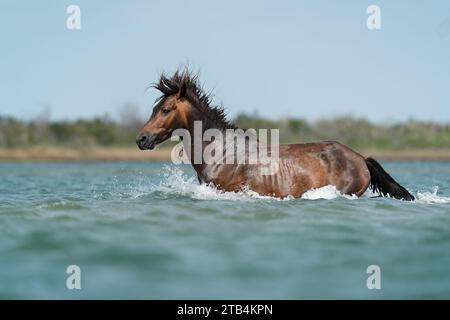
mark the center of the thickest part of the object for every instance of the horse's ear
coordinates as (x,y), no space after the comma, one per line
(182,93)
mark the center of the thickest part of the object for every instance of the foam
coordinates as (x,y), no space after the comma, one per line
(431,197)
(327,192)
(174,181)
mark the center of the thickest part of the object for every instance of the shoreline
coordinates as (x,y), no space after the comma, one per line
(42,154)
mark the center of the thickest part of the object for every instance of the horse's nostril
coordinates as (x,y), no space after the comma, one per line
(141,140)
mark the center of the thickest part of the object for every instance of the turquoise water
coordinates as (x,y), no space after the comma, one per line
(148,230)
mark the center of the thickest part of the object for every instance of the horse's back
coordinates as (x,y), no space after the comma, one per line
(329,163)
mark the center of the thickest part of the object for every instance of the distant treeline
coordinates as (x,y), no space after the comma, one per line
(104,131)
(357,132)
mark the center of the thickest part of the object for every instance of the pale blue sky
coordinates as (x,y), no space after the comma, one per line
(309,59)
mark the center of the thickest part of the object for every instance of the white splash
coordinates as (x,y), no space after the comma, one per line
(326,192)
(431,197)
(175,181)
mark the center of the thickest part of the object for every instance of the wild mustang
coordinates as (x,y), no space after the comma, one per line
(300,167)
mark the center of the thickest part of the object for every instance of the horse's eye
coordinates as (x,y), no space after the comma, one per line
(166,111)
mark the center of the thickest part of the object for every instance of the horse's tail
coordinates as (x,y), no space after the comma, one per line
(382,183)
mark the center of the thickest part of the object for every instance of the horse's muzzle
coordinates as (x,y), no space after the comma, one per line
(146,141)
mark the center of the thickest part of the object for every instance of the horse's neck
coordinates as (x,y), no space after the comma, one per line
(231,149)
(197,146)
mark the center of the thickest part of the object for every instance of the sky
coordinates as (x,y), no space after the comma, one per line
(309,59)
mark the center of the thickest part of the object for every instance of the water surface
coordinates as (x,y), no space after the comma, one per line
(148,230)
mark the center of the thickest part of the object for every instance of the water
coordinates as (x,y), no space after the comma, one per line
(148,230)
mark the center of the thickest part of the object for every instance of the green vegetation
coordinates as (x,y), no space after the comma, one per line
(357,133)
(106,132)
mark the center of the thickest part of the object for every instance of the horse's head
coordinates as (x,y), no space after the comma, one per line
(169,114)
(183,101)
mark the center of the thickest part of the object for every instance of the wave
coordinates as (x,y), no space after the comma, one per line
(174,181)
(327,192)
(431,197)
(330,192)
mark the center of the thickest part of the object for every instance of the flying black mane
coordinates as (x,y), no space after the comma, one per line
(188,83)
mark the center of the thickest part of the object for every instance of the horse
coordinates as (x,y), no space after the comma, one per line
(299,167)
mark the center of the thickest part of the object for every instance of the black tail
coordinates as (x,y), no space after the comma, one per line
(384,184)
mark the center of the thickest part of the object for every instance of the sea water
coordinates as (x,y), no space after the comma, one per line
(149,230)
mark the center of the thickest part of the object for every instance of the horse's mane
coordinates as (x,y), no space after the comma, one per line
(194,93)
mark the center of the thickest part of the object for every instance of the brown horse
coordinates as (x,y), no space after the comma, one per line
(299,167)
